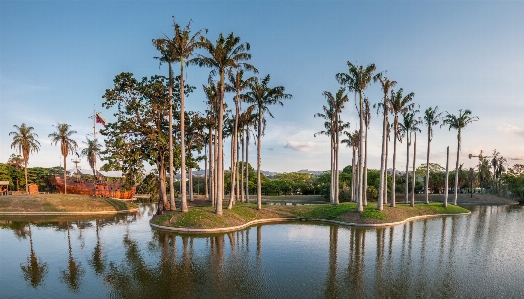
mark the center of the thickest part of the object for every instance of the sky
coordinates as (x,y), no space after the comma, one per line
(57,58)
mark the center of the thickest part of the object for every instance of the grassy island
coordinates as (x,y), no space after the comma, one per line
(61,203)
(243,213)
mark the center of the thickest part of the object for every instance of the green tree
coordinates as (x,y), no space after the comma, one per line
(67,145)
(225,55)
(358,79)
(458,123)
(263,96)
(25,141)
(431,118)
(399,105)
(178,49)
(141,132)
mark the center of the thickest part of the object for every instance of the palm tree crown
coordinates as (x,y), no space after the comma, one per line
(63,136)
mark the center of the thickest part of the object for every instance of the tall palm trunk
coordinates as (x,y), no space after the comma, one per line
(233,156)
(247,163)
(206,194)
(332,180)
(243,193)
(360,157)
(182,141)
(365,195)
(25,174)
(408,143)
(457,170)
(413,178)
(65,178)
(259,138)
(353,177)
(171,163)
(426,191)
(337,187)
(190,176)
(211,161)
(380,200)
(446,187)
(394,164)
(385,197)
(237,169)
(220,162)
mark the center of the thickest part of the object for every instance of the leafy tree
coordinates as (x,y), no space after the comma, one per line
(458,123)
(142,131)
(67,145)
(25,141)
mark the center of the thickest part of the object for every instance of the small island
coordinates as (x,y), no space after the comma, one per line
(202,219)
(62,204)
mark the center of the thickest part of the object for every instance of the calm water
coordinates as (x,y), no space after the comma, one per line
(475,256)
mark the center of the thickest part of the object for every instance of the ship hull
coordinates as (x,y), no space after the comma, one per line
(87,187)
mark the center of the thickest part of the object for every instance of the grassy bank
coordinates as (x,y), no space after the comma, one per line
(204,217)
(40,203)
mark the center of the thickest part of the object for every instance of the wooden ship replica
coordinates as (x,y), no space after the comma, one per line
(82,182)
(104,184)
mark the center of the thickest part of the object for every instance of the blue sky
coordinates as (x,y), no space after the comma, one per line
(58,57)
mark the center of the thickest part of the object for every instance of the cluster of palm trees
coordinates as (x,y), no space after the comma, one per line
(25,141)
(394,103)
(227,57)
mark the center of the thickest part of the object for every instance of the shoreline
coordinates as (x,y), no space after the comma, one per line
(186,230)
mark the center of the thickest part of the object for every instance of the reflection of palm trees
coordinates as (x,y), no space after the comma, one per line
(332,290)
(97,260)
(73,275)
(34,271)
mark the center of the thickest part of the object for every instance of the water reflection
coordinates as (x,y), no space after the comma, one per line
(121,257)
(35,270)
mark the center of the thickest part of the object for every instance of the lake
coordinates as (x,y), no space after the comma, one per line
(476,256)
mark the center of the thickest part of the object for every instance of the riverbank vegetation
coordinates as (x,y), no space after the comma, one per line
(242,213)
(71,203)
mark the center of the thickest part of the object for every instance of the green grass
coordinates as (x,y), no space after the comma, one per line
(323,211)
(120,205)
(372,213)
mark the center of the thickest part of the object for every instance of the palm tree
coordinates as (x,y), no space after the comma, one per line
(357,79)
(25,141)
(458,123)
(431,118)
(67,145)
(226,54)
(408,125)
(178,49)
(91,151)
(399,105)
(248,119)
(263,96)
(386,86)
(237,84)
(334,126)
(367,117)
(353,141)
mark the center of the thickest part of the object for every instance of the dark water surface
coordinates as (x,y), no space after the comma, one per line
(475,256)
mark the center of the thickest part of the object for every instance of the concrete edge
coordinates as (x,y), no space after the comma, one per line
(276,220)
(66,213)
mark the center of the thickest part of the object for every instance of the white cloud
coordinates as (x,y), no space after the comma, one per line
(509,128)
(301,146)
